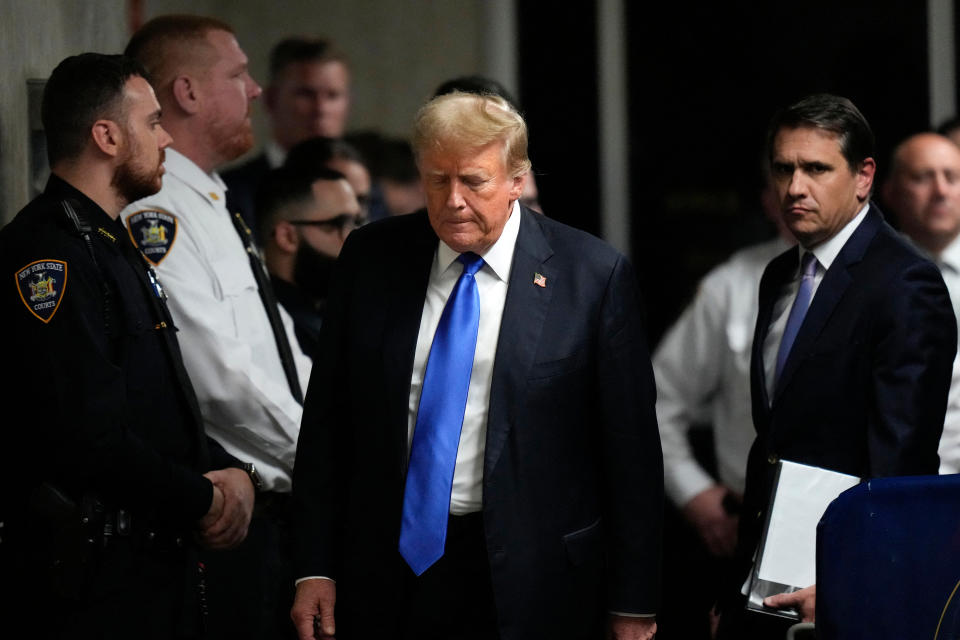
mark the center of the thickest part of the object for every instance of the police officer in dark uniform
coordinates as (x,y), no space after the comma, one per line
(109,489)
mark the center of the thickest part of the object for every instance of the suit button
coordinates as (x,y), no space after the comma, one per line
(772,459)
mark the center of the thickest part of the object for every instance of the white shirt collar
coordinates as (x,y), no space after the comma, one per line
(950,256)
(827,251)
(275,153)
(208,185)
(499,257)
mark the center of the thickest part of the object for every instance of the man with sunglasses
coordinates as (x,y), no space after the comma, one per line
(303,221)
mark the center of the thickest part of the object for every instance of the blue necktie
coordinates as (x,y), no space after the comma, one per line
(436,436)
(808,267)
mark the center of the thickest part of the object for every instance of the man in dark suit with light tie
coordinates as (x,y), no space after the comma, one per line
(855,335)
(479,456)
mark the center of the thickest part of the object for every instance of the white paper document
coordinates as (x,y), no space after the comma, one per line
(801,496)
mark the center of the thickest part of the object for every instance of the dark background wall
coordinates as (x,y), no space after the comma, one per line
(704,79)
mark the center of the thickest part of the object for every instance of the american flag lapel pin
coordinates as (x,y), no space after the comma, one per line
(540,280)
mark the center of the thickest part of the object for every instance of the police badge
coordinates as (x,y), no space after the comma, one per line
(41,285)
(153,232)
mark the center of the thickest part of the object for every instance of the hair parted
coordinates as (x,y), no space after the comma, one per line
(830,113)
(461,121)
(81,90)
(167,44)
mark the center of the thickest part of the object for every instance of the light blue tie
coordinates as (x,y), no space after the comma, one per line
(808,267)
(436,436)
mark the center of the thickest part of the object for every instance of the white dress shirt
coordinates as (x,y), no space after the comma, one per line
(225,335)
(702,369)
(274,153)
(492,280)
(825,253)
(949,263)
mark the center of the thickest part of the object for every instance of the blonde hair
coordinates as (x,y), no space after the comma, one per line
(461,121)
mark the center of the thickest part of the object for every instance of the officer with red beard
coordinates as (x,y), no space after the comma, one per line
(237,342)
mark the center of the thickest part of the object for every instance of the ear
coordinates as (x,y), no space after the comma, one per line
(865,178)
(108,137)
(186,95)
(286,237)
(517,187)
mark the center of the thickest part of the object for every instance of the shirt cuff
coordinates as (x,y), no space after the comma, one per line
(299,580)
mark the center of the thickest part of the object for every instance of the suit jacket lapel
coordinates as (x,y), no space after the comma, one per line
(774,277)
(524,312)
(829,293)
(406,288)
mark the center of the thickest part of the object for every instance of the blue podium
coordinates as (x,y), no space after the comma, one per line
(888,561)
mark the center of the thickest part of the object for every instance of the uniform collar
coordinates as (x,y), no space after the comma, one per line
(208,185)
(57,187)
(91,214)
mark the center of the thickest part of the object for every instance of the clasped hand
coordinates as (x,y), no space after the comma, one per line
(225,524)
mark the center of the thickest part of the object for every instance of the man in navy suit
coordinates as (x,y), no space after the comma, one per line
(552,519)
(855,336)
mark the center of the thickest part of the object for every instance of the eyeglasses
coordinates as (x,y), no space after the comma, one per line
(341,223)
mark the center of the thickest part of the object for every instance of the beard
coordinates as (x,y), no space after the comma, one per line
(312,271)
(133,181)
(230,140)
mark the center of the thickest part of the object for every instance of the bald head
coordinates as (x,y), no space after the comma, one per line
(923,190)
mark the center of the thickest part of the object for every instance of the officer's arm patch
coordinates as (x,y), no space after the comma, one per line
(153,231)
(42,285)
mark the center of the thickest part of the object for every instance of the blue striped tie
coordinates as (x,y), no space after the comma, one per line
(436,436)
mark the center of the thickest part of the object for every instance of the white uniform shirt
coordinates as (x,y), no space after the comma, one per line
(702,368)
(492,280)
(949,450)
(225,335)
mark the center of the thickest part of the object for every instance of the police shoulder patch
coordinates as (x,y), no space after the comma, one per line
(42,285)
(153,231)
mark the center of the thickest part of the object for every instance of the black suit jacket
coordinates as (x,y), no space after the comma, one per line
(864,389)
(572,486)
(242,182)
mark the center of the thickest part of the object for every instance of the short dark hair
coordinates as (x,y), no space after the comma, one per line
(283,187)
(314,154)
(834,114)
(476,84)
(81,90)
(302,49)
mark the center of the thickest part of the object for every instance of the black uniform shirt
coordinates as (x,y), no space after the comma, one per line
(99,400)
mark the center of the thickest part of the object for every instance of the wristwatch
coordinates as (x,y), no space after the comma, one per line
(255,478)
